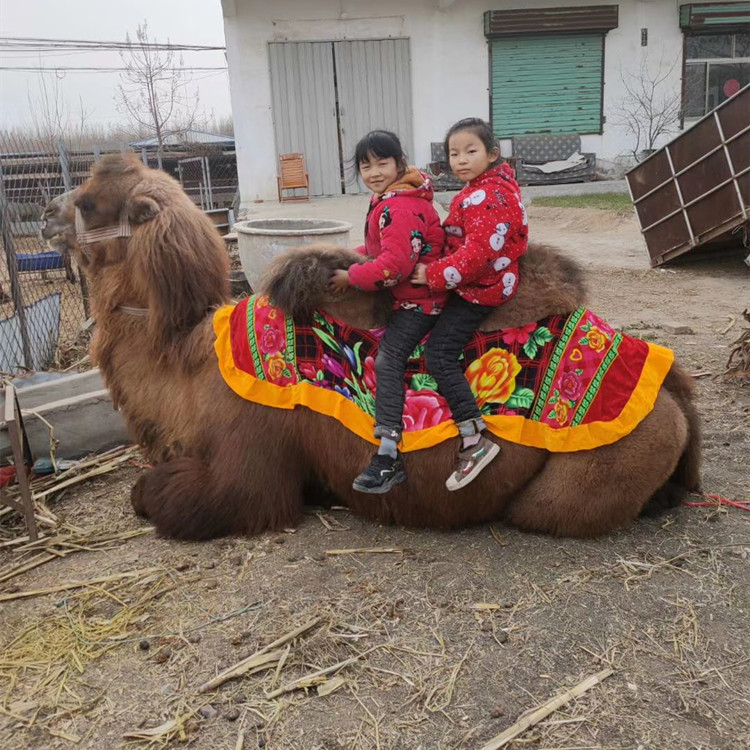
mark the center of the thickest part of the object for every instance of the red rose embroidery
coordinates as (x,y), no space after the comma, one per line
(570,386)
(424,409)
(271,340)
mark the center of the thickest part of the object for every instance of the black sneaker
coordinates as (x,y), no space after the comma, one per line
(381,475)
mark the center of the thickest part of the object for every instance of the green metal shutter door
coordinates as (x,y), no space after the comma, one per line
(547,84)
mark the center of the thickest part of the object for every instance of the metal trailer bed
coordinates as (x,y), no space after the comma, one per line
(695,191)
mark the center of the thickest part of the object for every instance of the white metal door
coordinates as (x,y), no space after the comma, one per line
(373,80)
(304,110)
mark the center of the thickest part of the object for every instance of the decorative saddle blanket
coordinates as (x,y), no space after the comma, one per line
(566,383)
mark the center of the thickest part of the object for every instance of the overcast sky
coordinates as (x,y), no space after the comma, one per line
(179,21)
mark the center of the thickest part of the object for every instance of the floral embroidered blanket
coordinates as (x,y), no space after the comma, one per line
(566,383)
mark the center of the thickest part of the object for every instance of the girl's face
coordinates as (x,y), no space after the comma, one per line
(468,156)
(378,172)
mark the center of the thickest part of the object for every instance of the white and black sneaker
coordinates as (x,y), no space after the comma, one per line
(383,473)
(470,463)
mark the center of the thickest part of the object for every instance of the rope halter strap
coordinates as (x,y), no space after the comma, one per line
(123,229)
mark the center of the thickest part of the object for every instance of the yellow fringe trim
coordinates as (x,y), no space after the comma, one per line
(515,429)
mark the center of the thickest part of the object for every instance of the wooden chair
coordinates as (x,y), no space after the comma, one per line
(293,176)
(22,460)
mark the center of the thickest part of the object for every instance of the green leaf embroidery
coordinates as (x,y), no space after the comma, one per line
(486,410)
(319,375)
(366,402)
(522,398)
(328,340)
(418,352)
(286,373)
(324,323)
(357,359)
(542,336)
(578,372)
(530,348)
(584,342)
(423,382)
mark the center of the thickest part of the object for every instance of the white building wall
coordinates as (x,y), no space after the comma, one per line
(449,64)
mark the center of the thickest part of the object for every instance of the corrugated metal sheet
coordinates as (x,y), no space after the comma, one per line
(550,20)
(374,90)
(304,109)
(547,84)
(708,17)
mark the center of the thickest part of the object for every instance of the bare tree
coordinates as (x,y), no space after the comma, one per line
(650,108)
(152,89)
(49,113)
(52,119)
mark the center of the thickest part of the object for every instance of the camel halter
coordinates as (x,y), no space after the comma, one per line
(89,237)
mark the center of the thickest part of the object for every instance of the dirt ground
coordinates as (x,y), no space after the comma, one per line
(451,637)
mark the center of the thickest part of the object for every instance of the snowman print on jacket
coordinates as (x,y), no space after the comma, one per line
(501,263)
(452,277)
(509,283)
(474,199)
(454,231)
(497,240)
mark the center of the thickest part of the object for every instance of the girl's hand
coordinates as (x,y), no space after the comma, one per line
(419,274)
(338,281)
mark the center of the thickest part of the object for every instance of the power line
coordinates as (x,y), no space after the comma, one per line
(44,44)
(68,69)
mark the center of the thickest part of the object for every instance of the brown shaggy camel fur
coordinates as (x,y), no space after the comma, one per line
(231,466)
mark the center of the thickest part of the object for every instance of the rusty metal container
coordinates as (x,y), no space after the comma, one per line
(695,191)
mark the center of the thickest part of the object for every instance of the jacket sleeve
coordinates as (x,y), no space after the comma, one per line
(476,253)
(396,260)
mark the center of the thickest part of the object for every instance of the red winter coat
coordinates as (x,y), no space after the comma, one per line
(486,233)
(401,230)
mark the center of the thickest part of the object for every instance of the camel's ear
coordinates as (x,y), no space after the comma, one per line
(141,209)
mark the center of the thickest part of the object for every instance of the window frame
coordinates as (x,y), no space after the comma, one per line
(707,61)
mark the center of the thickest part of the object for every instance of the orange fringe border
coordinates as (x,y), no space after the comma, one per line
(515,429)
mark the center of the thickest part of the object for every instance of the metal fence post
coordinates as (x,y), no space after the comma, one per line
(15,286)
(64,165)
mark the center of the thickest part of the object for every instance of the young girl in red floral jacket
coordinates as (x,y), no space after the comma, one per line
(486,233)
(401,230)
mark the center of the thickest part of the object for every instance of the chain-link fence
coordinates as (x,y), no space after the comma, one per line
(43,296)
(43,306)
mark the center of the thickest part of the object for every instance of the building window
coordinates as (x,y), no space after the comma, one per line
(717,66)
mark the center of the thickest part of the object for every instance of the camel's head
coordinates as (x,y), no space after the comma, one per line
(58,216)
(149,245)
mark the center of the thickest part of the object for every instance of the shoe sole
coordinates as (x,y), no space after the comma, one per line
(453,485)
(387,487)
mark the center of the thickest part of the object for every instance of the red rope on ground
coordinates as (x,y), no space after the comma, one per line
(714,500)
